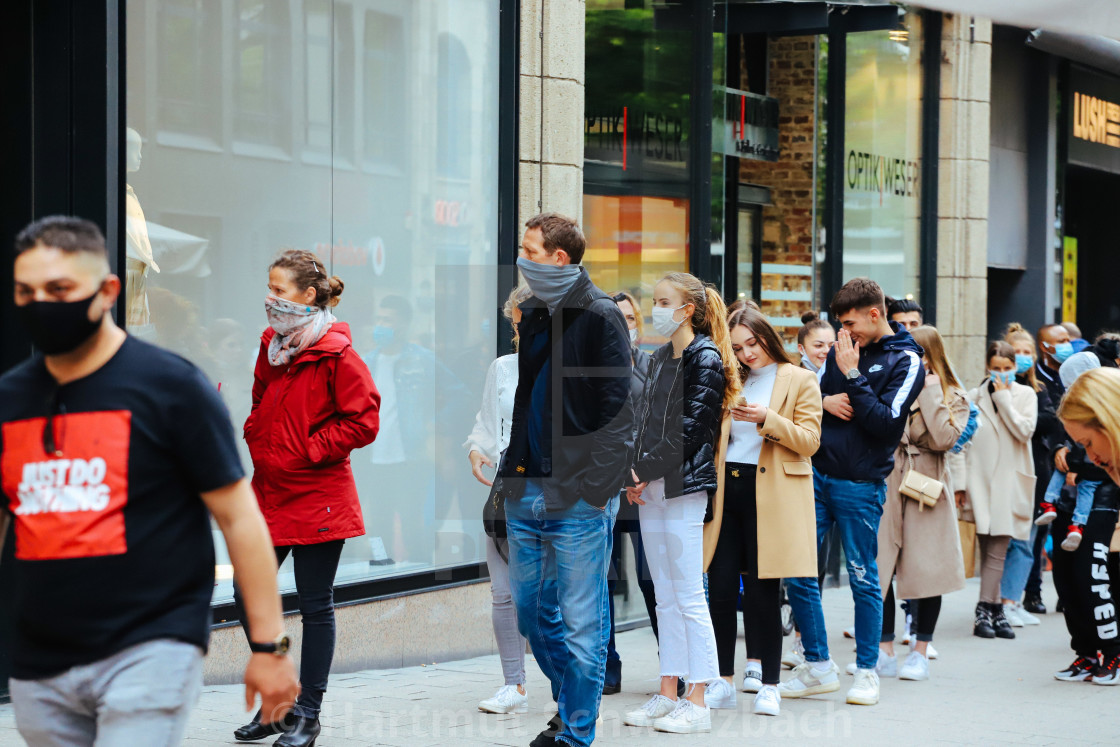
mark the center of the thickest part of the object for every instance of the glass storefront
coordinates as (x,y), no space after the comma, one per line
(362,131)
(883,146)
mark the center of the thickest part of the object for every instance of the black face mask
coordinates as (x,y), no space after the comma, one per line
(58,327)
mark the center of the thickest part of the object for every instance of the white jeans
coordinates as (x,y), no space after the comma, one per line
(673,533)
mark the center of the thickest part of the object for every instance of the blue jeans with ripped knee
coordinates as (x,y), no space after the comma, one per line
(855,508)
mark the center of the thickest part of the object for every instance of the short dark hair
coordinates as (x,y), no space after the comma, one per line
(63,232)
(858,293)
(560,232)
(903,306)
(400,305)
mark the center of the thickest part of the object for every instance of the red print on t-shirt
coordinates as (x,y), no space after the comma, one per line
(68,505)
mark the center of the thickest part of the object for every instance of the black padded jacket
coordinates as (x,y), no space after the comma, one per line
(684,452)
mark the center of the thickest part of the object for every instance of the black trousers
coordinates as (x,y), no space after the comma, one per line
(924,612)
(627,523)
(315,568)
(1085,579)
(737,556)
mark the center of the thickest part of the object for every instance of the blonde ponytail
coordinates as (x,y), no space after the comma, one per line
(715,319)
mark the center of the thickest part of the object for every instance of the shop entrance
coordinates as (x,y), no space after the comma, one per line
(1090,218)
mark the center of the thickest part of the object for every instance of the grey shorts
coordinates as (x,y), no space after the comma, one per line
(140,696)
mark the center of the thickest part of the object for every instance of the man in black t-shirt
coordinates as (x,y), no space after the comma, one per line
(112,451)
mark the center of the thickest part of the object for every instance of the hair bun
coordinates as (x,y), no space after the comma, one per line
(336,289)
(809,316)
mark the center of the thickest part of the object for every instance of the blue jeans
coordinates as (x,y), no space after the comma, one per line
(558,567)
(855,508)
(1086,489)
(1017,567)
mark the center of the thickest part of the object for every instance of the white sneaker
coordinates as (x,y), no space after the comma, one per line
(506,700)
(865,691)
(752,680)
(719,694)
(654,708)
(931,652)
(811,678)
(1026,617)
(906,635)
(768,702)
(795,657)
(916,667)
(686,718)
(1012,616)
(850,632)
(887,666)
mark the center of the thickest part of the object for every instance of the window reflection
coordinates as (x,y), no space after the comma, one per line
(218,190)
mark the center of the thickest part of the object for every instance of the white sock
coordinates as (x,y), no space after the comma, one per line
(820,667)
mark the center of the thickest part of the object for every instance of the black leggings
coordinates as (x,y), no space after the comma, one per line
(737,555)
(315,567)
(1084,580)
(924,611)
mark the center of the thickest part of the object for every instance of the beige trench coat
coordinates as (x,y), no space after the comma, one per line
(923,546)
(787,520)
(998,475)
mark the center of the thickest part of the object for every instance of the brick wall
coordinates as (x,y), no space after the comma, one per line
(787,225)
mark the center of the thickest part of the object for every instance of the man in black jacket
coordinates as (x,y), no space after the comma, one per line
(569,449)
(869,381)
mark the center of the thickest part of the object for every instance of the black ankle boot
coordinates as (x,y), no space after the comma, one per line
(612,678)
(1000,623)
(255,730)
(1033,603)
(303,734)
(982,628)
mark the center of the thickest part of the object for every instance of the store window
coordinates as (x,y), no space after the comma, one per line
(275,169)
(882,143)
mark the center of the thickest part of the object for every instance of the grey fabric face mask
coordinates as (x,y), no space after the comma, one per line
(549,283)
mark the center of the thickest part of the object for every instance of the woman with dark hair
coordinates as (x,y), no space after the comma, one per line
(627,520)
(996,488)
(815,338)
(313,403)
(767,522)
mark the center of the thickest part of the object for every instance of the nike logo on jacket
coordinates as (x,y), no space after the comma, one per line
(891,378)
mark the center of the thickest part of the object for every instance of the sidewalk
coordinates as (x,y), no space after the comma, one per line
(995,691)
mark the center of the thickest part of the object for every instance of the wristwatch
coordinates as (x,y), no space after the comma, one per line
(853,374)
(279,646)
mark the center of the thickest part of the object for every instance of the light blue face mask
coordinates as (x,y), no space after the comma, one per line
(1023,363)
(1004,376)
(383,335)
(1062,351)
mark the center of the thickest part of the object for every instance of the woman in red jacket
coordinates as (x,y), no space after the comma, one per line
(313,403)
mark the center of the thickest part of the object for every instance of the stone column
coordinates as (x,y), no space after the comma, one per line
(552,90)
(962,230)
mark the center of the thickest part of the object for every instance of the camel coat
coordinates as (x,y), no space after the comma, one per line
(998,478)
(787,520)
(922,545)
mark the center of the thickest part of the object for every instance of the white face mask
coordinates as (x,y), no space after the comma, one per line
(633,336)
(664,322)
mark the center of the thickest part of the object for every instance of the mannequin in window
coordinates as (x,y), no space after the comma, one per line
(139,258)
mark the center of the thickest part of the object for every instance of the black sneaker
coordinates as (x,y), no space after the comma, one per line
(1033,603)
(1000,623)
(1082,668)
(1108,673)
(547,738)
(982,628)
(612,678)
